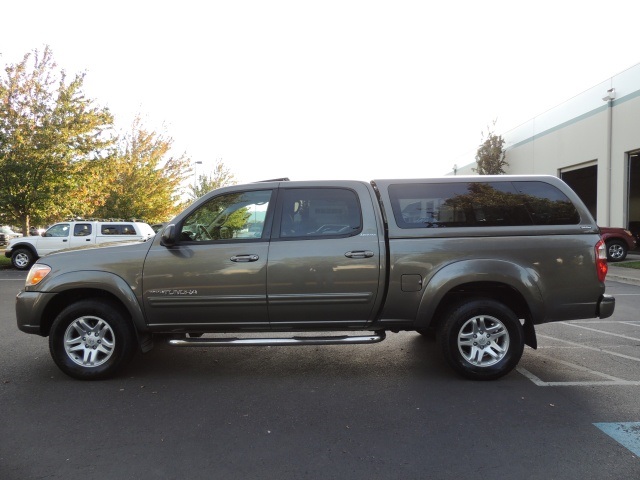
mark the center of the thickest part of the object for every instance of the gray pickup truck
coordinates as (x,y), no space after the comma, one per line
(477,261)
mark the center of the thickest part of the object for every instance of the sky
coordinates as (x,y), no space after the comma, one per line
(328,89)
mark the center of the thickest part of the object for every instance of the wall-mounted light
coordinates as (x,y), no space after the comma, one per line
(611,95)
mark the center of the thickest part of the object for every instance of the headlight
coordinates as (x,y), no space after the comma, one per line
(36,274)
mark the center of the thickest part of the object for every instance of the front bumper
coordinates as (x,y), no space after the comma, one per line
(30,308)
(606,306)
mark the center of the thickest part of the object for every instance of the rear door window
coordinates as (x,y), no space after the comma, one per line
(82,230)
(319,212)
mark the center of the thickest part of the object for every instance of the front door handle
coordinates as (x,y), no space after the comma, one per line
(359,254)
(245,258)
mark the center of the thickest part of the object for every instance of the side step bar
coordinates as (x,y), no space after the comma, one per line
(276,342)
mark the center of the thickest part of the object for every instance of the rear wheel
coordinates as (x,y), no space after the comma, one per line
(91,339)
(22,258)
(482,339)
(616,250)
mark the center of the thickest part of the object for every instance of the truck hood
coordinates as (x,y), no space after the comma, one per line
(22,239)
(120,258)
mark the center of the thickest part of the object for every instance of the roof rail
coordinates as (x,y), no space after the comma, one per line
(283,179)
(93,219)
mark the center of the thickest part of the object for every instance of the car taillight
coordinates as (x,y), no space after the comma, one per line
(601,260)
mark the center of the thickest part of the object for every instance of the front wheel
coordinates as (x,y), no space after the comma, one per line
(91,339)
(22,258)
(482,339)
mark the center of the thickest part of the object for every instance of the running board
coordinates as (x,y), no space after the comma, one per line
(276,342)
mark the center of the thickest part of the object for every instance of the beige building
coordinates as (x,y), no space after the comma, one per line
(592,142)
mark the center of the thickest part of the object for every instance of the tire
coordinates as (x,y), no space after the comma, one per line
(22,258)
(616,250)
(91,339)
(498,343)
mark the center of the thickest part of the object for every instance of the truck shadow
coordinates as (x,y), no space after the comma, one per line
(403,354)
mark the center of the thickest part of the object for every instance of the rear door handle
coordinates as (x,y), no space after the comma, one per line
(245,258)
(359,254)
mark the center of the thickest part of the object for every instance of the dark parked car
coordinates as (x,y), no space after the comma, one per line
(619,241)
(36,231)
(7,234)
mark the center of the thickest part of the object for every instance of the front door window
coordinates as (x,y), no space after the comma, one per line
(236,216)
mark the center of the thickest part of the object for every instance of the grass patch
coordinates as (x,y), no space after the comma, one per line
(4,261)
(627,264)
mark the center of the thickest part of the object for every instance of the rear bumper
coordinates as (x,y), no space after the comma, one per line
(606,306)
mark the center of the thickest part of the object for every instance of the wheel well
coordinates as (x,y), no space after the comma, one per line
(25,246)
(497,291)
(64,299)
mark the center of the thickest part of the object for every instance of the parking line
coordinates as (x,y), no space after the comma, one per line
(601,331)
(541,383)
(626,434)
(615,354)
(610,380)
(603,321)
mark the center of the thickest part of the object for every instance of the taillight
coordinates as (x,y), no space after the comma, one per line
(601,260)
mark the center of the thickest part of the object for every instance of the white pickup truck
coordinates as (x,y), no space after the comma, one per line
(24,251)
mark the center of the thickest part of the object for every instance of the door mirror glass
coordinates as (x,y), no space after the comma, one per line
(169,236)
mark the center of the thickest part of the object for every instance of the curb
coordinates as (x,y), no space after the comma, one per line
(619,274)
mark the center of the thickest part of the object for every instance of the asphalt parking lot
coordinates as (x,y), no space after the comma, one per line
(390,410)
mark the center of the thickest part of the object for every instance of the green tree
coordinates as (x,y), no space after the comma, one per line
(220,176)
(144,178)
(490,156)
(50,133)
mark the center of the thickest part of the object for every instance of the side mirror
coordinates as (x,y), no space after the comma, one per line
(168,238)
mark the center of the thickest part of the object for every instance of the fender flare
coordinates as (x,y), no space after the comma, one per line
(27,245)
(101,281)
(523,280)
